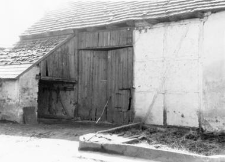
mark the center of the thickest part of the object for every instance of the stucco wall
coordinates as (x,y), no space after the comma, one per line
(9,100)
(166,75)
(28,88)
(213,60)
(179,73)
(16,94)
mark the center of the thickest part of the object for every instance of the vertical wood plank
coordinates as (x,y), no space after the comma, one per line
(85,82)
(67,53)
(130,80)
(43,68)
(50,67)
(109,111)
(71,59)
(75,75)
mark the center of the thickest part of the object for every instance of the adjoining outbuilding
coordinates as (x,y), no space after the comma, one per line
(159,62)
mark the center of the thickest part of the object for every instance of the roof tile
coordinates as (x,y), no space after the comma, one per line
(81,14)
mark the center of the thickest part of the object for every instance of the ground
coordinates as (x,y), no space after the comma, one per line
(178,139)
(50,141)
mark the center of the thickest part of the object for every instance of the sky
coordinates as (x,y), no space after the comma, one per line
(17,15)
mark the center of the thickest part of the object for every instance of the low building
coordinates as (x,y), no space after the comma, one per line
(159,62)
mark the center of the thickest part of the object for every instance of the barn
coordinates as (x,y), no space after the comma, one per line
(158,62)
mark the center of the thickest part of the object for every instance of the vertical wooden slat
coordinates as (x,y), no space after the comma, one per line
(50,67)
(130,37)
(130,79)
(85,84)
(76,77)
(59,63)
(94,87)
(109,87)
(100,43)
(71,59)
(80,83)
(43,68)
(103,84)
(67,62)
(125,85)
(89,82)
(87,39)
(66,70)
(53,64)
(115,88)
(99,84)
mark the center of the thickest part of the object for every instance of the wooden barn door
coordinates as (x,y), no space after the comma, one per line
(92,83)
(106,76)
(120,81)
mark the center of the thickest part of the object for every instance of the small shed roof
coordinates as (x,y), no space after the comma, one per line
(81,14)
(25,53)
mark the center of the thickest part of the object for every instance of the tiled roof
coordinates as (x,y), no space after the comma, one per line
(78,14)
(12,71)
(26,52)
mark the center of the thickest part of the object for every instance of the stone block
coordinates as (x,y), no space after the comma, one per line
(29,115)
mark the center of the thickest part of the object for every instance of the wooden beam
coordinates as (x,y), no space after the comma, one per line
(47,34)
(112,26)
(142,23)
(130,23)
(57,79)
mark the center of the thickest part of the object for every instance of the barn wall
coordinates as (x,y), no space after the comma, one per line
(214,73)
(179,73)
(105,75)
(16,94)
(58,96)
(62,63)
(166,77)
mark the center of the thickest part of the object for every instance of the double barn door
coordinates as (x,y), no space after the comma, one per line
(105,76)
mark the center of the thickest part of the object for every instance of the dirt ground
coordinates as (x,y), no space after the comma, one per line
(184,140)
(51,141)
(54,129)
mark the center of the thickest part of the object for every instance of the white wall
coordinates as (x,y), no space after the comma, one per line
(166,64)
(214,73)
(9,100)
(184,64)
(16,94)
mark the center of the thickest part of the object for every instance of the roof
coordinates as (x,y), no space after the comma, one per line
(12,71)
(78,14)
(25,53)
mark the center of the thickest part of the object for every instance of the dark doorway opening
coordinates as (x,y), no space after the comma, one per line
(56,99)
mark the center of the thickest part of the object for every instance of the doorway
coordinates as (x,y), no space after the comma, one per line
(106,77)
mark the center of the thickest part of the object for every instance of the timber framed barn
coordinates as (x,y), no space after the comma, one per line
(159,62)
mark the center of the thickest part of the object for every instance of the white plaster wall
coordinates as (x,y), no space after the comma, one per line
(166,63)
(16,94)
(214,73)
(28,89)
(9,100)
